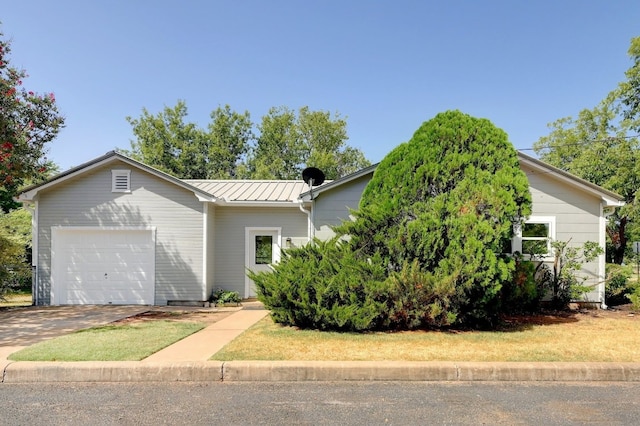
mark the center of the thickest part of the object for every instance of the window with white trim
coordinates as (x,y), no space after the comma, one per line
(120,180)
(534,236)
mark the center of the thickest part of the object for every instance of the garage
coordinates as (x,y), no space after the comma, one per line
(102,266)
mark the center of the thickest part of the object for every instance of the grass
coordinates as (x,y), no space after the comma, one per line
(130,342)
(16,299)
(578,338)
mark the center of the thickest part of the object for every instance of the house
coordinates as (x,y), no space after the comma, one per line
(116,231)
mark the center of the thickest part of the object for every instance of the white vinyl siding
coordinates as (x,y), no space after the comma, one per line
(175,212)
(332,207)
(577,218)
(230,225)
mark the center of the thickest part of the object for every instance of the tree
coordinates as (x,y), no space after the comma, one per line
(279,151)
(447,199)
(288,143)
(28,121)
(228,149)
(166,142)
(630,89)
(601,146)
(15,249)
(230,135)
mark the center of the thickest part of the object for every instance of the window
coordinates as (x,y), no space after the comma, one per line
(120,180)
(534,236)
(264,249)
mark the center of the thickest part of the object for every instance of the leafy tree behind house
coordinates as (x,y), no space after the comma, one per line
(289,142)
(602,146)
(286,142)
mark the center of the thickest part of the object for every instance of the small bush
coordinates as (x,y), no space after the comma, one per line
(523,292)
(634,298)
(327,286)
(324,285)
(220,297)
(617,284)
(419,299)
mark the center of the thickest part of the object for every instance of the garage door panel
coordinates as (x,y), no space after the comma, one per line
(103,266)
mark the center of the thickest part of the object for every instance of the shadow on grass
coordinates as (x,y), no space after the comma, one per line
(524,322)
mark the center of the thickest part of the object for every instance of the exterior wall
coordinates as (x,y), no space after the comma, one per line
(176,213)
(230,224)
(331,208)
(578,218)
(577,215)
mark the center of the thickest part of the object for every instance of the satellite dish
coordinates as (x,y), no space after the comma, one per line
(313,176)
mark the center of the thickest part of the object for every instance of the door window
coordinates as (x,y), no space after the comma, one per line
(264,249)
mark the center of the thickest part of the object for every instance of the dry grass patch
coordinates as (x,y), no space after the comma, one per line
(16,299)
(583,337)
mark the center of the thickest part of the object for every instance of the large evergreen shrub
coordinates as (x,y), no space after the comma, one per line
(447,199)
(425,247)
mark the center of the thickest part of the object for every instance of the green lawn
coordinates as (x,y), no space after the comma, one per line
(131,342)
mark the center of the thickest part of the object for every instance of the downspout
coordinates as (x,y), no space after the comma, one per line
(33,209)
(605,212)
(309,221)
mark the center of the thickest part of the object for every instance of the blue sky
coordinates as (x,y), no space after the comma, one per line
(387,66)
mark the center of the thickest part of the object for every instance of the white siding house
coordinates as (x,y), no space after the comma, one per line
(115,231)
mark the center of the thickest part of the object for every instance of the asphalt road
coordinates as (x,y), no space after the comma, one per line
(352,403)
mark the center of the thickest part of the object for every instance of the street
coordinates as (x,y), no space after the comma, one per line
(311,403)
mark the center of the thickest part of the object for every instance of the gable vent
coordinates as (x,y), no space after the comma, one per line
(120,180)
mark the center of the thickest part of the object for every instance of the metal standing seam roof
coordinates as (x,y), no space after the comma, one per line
(252,190)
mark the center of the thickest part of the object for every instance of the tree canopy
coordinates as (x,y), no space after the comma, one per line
(447,199)
(602,146)
(28,121)
(280,147)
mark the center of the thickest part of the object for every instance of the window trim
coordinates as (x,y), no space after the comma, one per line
(517,240)
(119,173)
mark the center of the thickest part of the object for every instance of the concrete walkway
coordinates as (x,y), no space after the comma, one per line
(202,345)
(186,360)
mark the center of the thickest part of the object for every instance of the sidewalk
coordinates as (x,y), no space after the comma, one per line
(186,360)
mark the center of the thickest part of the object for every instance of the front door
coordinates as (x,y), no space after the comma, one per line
(262,249)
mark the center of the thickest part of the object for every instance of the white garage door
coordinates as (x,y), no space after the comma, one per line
(102,266)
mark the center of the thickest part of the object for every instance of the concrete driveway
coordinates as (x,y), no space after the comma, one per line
(21,327)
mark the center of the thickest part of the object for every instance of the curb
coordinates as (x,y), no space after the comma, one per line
(116,371)
(316,371)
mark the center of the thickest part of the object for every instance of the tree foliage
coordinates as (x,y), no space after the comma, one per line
(431,224)
(28,121)
(448,199)
(630,89)
(601,145)
(15,248)
(166,142)
(285,143)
